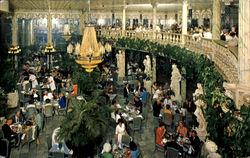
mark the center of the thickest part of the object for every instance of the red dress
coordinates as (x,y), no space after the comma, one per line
(159,133)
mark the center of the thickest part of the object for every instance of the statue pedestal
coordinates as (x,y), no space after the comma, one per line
(148,85)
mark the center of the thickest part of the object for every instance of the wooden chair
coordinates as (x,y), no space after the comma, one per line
(125,140)
(167,119)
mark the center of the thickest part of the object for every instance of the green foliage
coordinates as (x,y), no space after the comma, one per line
(199,69)
(85,124)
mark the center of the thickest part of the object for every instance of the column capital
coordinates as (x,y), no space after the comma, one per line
(154,4)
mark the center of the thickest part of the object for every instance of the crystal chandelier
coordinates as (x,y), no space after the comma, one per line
(91,53)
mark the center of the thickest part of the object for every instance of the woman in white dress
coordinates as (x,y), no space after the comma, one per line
(33,80)
(119,132)
(51,83)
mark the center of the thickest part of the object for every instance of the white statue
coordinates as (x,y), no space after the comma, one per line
(120,64)
(211,148)
(66,30)
(202,128)
(70,48)
(147,64)
(77,48)
(175,83)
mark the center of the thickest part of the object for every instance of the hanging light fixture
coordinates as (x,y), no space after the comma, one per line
(66,32)
(91,53)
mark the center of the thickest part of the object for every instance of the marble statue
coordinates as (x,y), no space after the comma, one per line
(211,148)
(120,64)
(77,48)
(175,83)
(70,48)
(66,30)
(147,64)
(202,128)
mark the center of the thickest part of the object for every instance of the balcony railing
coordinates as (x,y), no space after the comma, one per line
(225,60)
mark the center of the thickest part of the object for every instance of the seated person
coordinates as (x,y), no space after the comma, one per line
(35,96)
(126,91)
(62,101)
(160,134)
(133,150)
(47,95)
(182,130)
(118,115)
(144,94)
(57,143)
(174,105)
(8,133)
(167,110)
(120,130)
(112,89)
(195,142)
(47,104)
(174,144)
(106,151)
(25,131)
(139,88)
(75,87)
(31,104)
(19,117)
(138,104)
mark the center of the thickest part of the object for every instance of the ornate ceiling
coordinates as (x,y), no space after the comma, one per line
(164,5)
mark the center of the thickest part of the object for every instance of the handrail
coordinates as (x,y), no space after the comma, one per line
(223,58)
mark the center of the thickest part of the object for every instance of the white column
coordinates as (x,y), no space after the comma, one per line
(244,42)
(49,28)
(154,5)
(216,19)
(131,22)
(184,17)
(31,32)
(14,30)
(124,18)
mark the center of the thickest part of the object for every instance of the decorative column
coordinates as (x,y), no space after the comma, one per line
(31,32)
(241,91)
(154,5)
(14,30)
(184,17)
(149,23)
(49,28)
(23,29)
(120,57)
(14,38)
(200,18)
(216,19)
(183,85)
(49,40)
(124,18)
(154,69)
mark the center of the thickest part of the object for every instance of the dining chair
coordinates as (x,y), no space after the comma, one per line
(125,140)
(6,144)
(136,126)
(30,112)
(157,147)
(189,120)
(130,98)
(48,112)
(177,118)
(167,119)
(172,152)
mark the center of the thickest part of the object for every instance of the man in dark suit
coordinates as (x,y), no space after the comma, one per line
(173,144)
(195,142)
(18,118)
(9,133)
(126,91)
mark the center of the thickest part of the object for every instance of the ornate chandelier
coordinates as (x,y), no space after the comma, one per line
(91,53)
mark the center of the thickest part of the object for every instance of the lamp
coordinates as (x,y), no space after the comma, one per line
(14,49)
(91,53)
(66,32)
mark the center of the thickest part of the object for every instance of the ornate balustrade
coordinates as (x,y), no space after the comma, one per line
(224,60)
